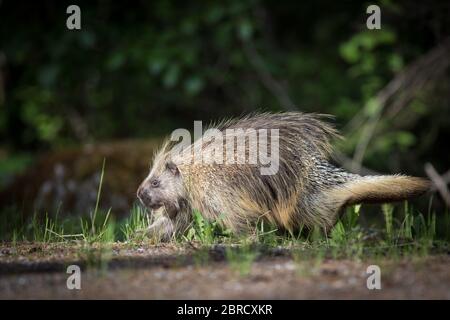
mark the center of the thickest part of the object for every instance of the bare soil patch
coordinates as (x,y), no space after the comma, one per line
(38,271)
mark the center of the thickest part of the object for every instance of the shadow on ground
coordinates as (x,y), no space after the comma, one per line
(187,272)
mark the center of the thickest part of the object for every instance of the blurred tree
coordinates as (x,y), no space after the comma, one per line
(143,70)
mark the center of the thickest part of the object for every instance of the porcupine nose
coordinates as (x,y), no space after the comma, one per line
(144,196)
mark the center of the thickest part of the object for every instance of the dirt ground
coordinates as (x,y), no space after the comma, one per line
(38,271)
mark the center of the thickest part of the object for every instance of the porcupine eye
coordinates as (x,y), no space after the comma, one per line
(155,183)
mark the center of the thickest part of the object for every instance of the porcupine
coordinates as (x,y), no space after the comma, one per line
(307,190)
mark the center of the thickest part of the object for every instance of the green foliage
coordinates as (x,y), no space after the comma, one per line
(241,258)
(388,218)
(100,228)
(405,233)
(266,233)
(161,65)
(46,231)
(414,234)
(11,166)
(146,71)
(204,231)
(346,237)
(133,227)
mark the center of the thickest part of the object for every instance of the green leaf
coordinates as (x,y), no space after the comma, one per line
(193,85)
(245,30)
(116,61)
(171,76)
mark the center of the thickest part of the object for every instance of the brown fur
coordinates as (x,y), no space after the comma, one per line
(375,189)
(307,190)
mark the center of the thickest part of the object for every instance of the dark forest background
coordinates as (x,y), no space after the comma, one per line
(139,69)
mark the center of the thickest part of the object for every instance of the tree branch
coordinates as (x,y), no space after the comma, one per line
(439,182)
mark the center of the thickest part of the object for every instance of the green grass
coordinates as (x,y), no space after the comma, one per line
(399,231)
(204,231)
(400,228)
(132,227)
(398,225)
(241,258)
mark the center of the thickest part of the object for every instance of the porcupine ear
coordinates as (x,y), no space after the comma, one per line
(173,168)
